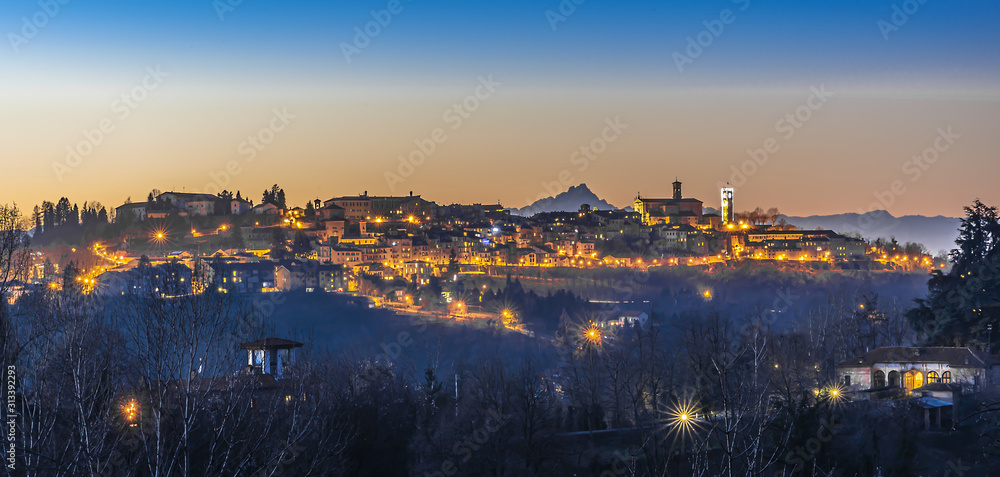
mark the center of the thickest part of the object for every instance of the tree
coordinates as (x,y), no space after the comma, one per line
(310,211)
(70,283)
(279,244)
(48,216)
(963,303)
(48,268)
(14,260)
(63,210)
(301,245)
(275,196)
(36,218)
(773,214)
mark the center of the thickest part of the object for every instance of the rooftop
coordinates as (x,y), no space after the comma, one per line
(953,356)
(271,343)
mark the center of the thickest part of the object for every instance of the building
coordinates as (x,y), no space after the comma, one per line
(266,209)
(136,210)
(803,245)
(339,255)
(728,212)
(290,275)
(270,356)
(676,210)
(623,318)
(239,207)
(165,280)
(940,372)
(252,277)
(195,204)
(365,207)
(353,208)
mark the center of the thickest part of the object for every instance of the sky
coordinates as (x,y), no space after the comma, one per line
(816,107)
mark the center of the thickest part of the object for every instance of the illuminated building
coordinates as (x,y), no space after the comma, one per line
(944,373)
(728,213)
(270,356)
(676,210)
(803,245)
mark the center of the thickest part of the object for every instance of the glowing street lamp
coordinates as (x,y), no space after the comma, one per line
(130,411)
(592,335)
(682,419)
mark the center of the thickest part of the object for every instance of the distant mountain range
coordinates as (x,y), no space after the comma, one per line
(569,201)
(936,233)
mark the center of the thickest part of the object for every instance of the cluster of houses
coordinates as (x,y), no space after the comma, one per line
(244,274)
(413,238)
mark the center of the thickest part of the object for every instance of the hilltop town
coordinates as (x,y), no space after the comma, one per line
(228,243)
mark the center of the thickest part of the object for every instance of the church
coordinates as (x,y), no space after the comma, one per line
(673,211)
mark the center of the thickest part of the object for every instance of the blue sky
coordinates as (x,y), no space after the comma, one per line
(606,58)
(601,42)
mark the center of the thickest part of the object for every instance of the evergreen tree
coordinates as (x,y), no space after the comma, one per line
(48,268)
(70,275)
(279,247)
(301,244)
(48,216)
(962,303)
(36,217)
(63,210)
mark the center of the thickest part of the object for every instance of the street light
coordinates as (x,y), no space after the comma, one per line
(592,335)
(130,411)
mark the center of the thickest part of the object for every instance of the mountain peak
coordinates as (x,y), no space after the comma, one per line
(569,201)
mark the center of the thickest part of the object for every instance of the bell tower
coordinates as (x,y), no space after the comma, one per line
(677,189)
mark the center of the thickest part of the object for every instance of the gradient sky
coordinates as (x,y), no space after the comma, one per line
(939,69)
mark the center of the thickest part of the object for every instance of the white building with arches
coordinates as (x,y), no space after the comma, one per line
(941,372)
